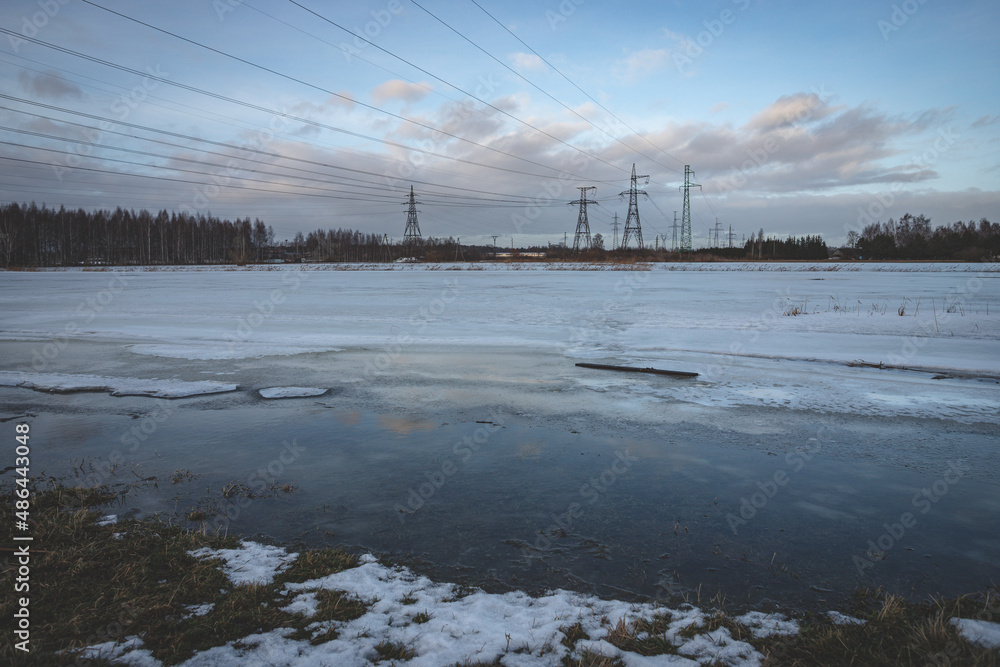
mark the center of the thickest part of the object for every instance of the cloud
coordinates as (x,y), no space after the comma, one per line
(527,62)
(788,110)
(719,107)
(640,64)
(49,85)
(396,89)
(986,121)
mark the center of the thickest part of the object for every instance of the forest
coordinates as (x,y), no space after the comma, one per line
(33,236)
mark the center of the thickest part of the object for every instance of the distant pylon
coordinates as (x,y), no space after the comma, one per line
(412,232)
(686,210)
(614,226)
(673,228)
(632,226)
(581,240)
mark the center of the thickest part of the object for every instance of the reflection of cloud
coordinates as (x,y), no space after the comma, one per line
(530,450)
(404,425)
(49,85)
(348,417)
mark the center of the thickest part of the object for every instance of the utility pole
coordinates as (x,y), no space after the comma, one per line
(412,232)
(686,209)
(632,226)
(582,224)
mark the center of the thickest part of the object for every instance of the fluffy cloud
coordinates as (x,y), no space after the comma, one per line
(396,89)
(527,62)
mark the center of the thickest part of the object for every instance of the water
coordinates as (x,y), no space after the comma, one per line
(534,503)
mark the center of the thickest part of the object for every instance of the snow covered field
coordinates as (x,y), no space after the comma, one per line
(768,473)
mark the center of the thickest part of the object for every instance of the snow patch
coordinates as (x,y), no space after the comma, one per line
(768,625)
(251,563)
(984,633)
(156,388)
(291,392)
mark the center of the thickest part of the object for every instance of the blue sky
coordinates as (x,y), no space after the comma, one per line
(798,118)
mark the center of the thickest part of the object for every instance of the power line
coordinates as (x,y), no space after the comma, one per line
(590,97)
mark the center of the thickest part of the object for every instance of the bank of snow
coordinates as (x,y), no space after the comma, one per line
(59,382)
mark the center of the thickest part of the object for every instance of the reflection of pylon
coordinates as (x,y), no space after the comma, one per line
(582,224)
(632,226)
(686,211)
(412,232)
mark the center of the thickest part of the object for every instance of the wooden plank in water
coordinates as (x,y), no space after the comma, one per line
(655,371)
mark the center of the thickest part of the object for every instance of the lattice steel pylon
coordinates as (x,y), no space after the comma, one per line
(582,224)
(686,211)
(673,228)
(632,226)
(412,232)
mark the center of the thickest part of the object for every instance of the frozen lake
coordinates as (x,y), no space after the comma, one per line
(458,435)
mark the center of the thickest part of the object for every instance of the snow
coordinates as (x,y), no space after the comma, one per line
(252,563)
(292,392)
(108,520)
(839,618)
(984,633)
(521,630)
(61,382)
(768,625)
(724,321)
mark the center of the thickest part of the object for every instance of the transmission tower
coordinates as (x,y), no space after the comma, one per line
(686,210)
(581,240)
(673,228)
(614,226)
(717,229)
(412,232)
(632,226)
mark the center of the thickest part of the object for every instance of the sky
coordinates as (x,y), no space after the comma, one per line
(795,118)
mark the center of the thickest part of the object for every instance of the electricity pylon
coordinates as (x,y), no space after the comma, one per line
(632,226)
(673,228)
(412,232)
(686,210)
(582,224)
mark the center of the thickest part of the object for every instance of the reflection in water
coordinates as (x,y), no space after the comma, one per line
(516,505)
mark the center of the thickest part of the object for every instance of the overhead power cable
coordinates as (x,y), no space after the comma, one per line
(282,114)
(347,98)
(588,95)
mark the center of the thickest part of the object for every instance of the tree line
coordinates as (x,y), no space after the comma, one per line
(911,237)
(33,236)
